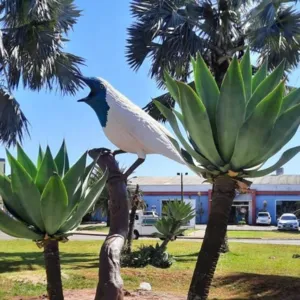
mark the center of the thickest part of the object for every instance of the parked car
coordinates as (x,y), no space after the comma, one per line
(144,225)
(288,222)
(263,218)
(150,213)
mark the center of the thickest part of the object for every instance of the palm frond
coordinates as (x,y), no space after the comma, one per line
(13,123)
(33,39)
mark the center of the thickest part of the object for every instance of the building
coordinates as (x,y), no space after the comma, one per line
(276,194)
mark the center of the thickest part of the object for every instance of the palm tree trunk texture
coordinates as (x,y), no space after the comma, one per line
(53,272)
(225,245)
(222,198)
(110,285)
(134,207)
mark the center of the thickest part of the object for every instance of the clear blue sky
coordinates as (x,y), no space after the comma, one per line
(100,38)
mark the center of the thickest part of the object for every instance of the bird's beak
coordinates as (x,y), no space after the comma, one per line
(82,100)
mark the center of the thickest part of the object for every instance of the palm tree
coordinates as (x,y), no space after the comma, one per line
(46,202)
(32,38)
(232,132)
(170,32)
(102,202)
(135,197)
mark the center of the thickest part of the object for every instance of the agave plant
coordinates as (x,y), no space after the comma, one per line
(46,202)
(177,214)
(231,132)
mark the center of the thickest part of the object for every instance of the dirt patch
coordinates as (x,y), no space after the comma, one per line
(89,294)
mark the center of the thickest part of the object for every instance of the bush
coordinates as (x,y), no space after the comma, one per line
(147,255)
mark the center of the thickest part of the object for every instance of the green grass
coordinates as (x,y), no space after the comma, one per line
(264,234)
(22,271)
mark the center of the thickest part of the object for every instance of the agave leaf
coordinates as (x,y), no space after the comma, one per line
(40,157)
(17,229)
(189,160)
(11,200)
(260,75)
(54,204)
(47,169)
(27,192)
(285,127)
(169,115)
(85,204)
(246,69)
(256,130)
(292,99)
(25,161)
(207,89)
(73,181)
(286,156)
(172,87)
(265,88)
(62,160)
(197,123)
(230,110)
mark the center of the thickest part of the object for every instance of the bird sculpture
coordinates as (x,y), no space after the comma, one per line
(126,125)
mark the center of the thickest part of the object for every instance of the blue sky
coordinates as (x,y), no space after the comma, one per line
(100,38)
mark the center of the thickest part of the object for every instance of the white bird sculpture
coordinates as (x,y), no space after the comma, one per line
(126,125)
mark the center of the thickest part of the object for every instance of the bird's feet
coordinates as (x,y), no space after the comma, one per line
(117,152)
(96,152)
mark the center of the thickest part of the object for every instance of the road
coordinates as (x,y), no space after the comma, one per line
(4,237)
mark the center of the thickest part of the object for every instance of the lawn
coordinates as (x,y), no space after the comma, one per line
(264,234)
(248,271)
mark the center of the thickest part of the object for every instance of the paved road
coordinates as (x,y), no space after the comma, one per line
(4,237)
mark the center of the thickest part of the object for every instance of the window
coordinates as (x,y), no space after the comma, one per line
(149,222)
(288,218)
(263,214)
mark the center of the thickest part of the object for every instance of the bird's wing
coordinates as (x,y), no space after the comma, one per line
(150,134)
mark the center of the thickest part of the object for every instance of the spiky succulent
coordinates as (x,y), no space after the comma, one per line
(177,214)
(47,200)
(236,129)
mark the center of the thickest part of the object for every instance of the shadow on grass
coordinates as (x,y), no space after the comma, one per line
(20,261)
(256,286)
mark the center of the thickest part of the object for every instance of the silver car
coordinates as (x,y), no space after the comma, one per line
(288,222)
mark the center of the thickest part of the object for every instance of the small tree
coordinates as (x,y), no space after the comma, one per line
(137,202)
(177,214)
(46,202)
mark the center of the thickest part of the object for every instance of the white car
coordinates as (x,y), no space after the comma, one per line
(288,222)
(263,218)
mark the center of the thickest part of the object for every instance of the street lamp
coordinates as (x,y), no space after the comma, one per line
(181,180)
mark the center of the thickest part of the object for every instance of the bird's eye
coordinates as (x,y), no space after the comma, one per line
(102,86)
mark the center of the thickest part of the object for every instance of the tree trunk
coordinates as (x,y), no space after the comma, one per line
(164,244)
(134,207)
(52,264)
(108,217)
(225,245)
(222,198)
(110,285)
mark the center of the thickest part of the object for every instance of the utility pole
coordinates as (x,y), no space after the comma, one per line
(181,182)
